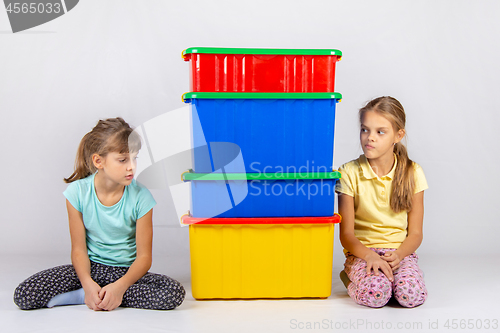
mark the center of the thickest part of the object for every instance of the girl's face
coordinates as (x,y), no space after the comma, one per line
(377,136)
(119,168)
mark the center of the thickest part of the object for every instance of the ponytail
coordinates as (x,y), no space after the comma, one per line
(83,168)
(110,135)
(403,184)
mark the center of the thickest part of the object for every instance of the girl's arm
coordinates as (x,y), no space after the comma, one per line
(415,234)
(80,258)
(352,244)
(112,294)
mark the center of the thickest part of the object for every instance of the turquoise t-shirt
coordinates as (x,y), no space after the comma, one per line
(110,230)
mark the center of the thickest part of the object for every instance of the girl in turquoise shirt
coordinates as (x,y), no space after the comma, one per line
(110,220)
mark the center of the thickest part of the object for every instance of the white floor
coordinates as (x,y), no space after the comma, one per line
(464,292)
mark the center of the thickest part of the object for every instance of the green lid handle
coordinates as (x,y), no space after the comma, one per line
(260,95)
(190,175)
(260,51)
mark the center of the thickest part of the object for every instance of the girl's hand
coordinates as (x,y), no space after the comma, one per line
(393,259)
(375,262)
(111,296)
(92,299)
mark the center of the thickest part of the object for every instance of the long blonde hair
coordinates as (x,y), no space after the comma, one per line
(403,184)
(109,135)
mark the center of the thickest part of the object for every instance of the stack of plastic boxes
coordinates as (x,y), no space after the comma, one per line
(263,185)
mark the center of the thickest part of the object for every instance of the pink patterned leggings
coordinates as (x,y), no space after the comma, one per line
(375,291)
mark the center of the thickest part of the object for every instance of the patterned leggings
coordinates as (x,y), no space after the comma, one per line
(152,291)
(375,291)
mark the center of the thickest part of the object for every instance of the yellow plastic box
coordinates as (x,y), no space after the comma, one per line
(241,258)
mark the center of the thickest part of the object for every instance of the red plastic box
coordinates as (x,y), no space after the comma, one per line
(261,70)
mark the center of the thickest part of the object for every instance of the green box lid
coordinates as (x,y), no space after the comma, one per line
(260,176)
(261,51)
(260,95)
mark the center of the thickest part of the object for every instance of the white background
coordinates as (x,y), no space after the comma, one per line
(123,58)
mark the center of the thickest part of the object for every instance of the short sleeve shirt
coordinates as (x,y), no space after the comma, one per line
(376,224)
(110,230)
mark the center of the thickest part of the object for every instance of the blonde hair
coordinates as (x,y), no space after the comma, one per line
(403,184)
(109,135)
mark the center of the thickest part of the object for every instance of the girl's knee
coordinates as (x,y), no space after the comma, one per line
(169,294)
(408,301)
(178,293)
(24,298)
(374,291)
(38,289)
(410,292)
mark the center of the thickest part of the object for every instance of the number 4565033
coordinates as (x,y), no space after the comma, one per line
(32,8)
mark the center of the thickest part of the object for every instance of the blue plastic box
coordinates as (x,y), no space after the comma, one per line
(268,132)
(262,195)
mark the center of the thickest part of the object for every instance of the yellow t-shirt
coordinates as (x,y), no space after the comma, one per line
(375,223)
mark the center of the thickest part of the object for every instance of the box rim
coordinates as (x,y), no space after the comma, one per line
(260,51)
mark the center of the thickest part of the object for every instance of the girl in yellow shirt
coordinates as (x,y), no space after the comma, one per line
(381,200)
